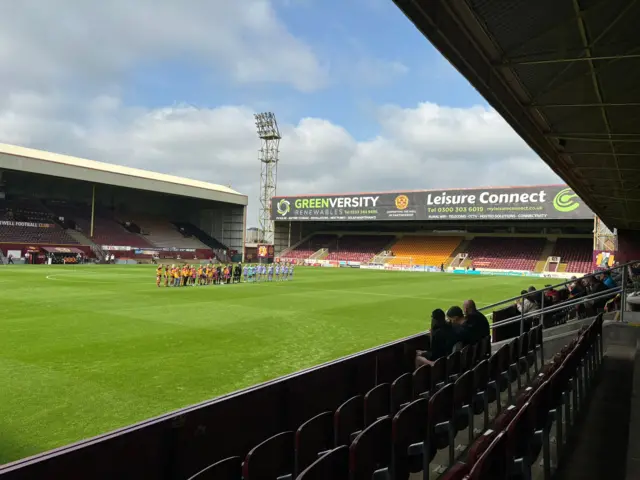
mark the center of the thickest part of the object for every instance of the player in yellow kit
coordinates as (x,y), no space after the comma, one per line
(158,275)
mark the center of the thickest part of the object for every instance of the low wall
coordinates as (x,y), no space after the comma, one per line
(179,444)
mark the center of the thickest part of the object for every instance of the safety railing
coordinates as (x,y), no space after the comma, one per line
(625,285)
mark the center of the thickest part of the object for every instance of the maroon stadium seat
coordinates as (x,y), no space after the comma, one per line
(228,469)
(333,465)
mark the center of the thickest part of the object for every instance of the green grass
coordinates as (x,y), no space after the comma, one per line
(88,349)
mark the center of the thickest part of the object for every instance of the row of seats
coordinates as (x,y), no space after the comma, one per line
(357,248)
(53,235)
(483,252)
(503,253)
(162,233)
(557,397)
(517,435)
(576,253)
(422,250)
(390,426)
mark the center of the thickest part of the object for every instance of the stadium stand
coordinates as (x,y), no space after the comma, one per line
(53,235)
(505,253)
(189,230)
(424,250)
(357,248)
(576,253)
(486,416)
(25,210)
(106,231)
(310,246)
(162,233)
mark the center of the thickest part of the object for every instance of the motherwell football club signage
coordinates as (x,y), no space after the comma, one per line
(551,202)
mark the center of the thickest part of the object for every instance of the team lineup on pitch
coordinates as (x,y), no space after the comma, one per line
(200,275)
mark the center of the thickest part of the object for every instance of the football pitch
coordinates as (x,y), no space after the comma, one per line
(87,349)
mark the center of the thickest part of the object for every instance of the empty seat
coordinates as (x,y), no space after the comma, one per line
(271,459)
(493,463)
(440,420)
(227,469)
(463,395)
(409,438)
(377,403)
(438,374)
(401,392)
(348,420)
(424,250)
(422,381)
(313,437)
(371,450)
(332,465)
(505,253)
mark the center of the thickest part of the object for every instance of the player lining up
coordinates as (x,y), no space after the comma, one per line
(192,275)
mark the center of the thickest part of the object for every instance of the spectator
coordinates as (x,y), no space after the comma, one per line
(475,326)
(595,286)
(535,296)
(577,289)
(608,280)
(552,296)
(455,316)
(443,339)
(525,305)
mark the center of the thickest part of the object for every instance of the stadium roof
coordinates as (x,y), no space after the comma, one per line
(46,163)
(565,74)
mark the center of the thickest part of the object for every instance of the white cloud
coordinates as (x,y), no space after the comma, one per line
(62,62)
(89,43)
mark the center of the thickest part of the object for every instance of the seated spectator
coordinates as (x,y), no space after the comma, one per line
(634,271)
(475,326)
(552,296)
(577,289)
(443,339)
(595,286)
(535,296)
(608,280)
(455,316)
(525,305)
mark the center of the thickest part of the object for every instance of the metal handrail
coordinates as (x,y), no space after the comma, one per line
(513,299)
(611,292)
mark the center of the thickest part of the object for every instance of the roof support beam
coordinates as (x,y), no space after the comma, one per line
(606,169)
(584,35)
(512,63)
(595,41)
(559,25)
(599,104)
(589,134)
(597,139)
(605,154)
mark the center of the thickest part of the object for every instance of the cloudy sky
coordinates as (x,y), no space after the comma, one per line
(364,102)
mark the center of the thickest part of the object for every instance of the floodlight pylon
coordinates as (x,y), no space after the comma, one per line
(269,134)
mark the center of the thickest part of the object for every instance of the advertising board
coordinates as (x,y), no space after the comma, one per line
(265,251)
(551,202)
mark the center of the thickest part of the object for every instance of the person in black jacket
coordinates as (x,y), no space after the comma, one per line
(443,339)
(475,326)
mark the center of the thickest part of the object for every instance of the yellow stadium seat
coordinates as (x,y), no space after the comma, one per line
(428,251)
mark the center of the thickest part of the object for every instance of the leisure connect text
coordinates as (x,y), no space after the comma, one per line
(487,198)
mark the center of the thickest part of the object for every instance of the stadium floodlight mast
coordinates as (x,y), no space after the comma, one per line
(269,134)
